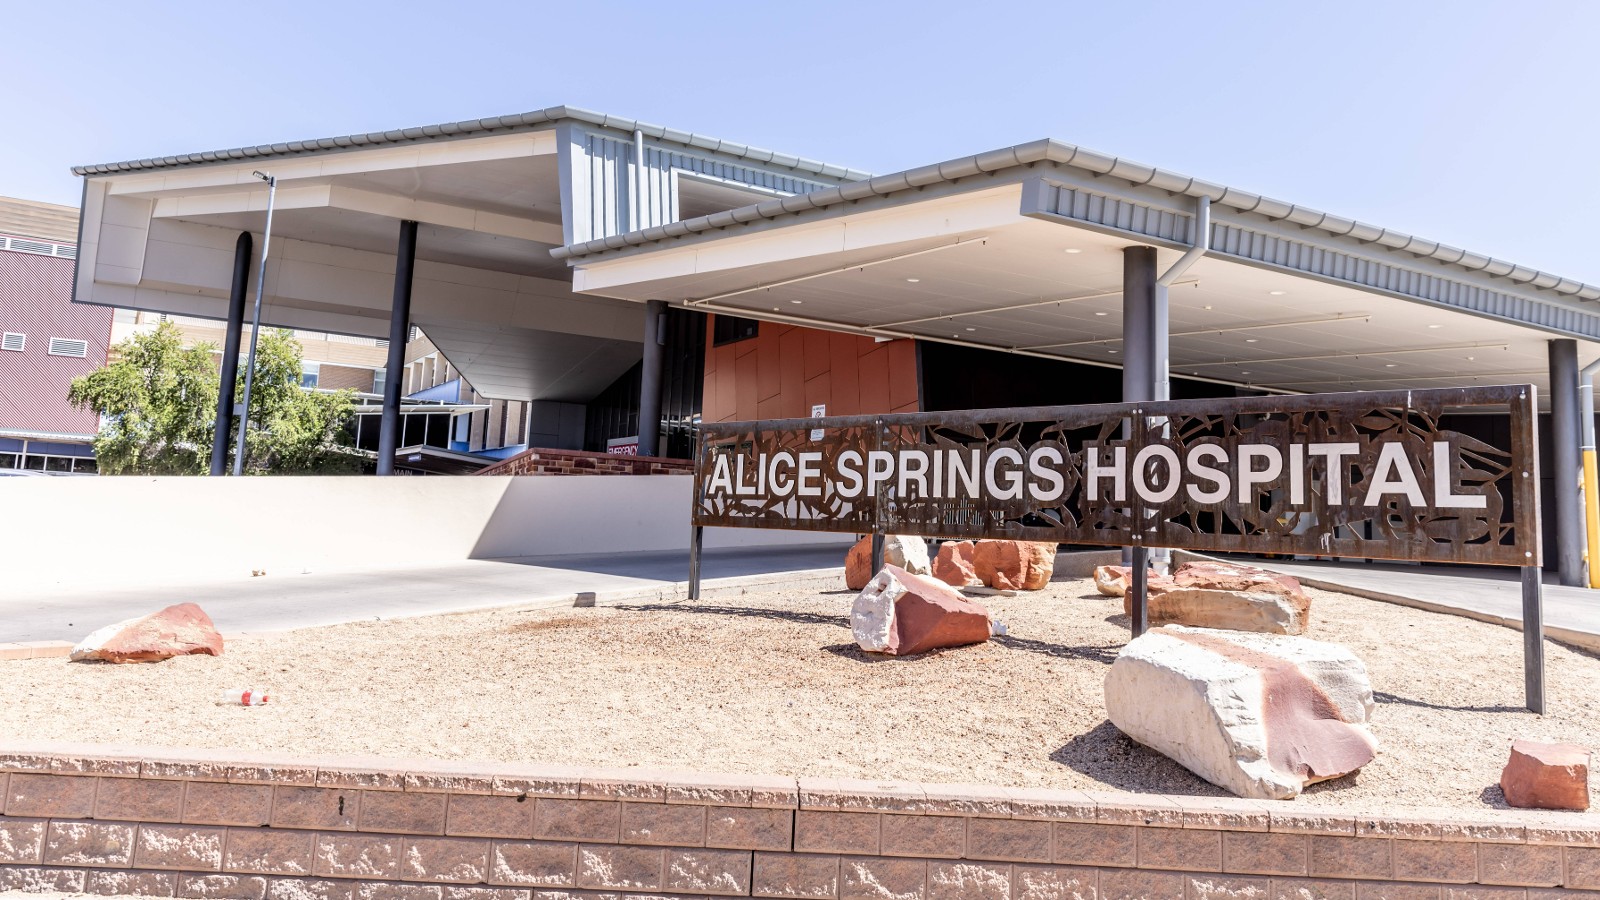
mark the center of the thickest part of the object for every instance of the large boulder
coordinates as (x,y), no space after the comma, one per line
(1014,565)
(1263,611)
(903,550)
(1260,715)
(1220,595)
(953,564)
(1546,776)
(175,631)
(901,613)
(1220,576)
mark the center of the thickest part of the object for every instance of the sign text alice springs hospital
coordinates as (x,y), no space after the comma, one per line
(1362,474)
(1205,473)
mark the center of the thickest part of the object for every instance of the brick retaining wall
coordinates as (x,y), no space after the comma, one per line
(106,820)
(582,462)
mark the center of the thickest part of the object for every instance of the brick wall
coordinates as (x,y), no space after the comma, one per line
(217,825)
(583,462)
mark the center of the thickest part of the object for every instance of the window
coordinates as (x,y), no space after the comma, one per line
(379,376)
(310,372)
(732,329)
(69,347)
(13,341)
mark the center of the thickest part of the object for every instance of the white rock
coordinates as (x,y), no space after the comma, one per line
(908,552)
(1198,696)
(872,613)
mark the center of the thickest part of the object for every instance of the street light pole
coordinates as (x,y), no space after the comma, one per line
(255,326)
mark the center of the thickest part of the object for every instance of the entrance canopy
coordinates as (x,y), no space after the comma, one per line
(1020,250)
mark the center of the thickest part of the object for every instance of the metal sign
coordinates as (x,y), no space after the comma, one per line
(1369,475)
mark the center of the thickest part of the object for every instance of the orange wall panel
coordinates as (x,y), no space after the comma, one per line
(873,380)
(785,370)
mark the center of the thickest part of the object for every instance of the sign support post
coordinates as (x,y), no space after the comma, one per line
(1533,636)
(1139,592)
(695,537)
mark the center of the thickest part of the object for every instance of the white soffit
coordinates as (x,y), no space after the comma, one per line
(1053,290)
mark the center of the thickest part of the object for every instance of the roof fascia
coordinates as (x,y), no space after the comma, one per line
(1070,160)
(477,128)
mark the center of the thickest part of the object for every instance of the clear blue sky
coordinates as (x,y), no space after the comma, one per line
(1400,114)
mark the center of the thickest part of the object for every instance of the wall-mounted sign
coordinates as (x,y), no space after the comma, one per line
(623,446)
(1362,474)
(817,412)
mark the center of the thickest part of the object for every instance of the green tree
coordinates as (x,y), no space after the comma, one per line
(157,400)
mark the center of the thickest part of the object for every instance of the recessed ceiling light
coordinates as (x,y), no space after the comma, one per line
(972,329)
(1102,314)
(1435,326)
(1471,358)
(913,280)
(774,309)
(1208,306)
(1251,340)
(1111,351)
(1277,293)
(1244,373)
(1390,365)
(1072,250)
(797,302)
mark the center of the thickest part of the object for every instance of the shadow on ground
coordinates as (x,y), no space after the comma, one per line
(1113,759)
(1103,654)
(752,612)
(1383,697)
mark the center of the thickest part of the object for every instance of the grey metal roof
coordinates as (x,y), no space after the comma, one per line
(1065,154)
(497,124)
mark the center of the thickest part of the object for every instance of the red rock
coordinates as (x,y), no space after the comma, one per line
(1112,581)
(1014,565)
(1546,776)
(1227,577)
(953,565)
(907,552)
(900,613)
(175,631)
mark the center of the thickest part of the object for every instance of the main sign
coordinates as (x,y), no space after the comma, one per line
(1369,475)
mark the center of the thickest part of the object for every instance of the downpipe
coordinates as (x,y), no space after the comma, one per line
(1591,482)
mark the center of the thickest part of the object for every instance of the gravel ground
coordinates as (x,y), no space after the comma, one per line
(771,683)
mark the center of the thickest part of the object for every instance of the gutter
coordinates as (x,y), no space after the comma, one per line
(1063,154)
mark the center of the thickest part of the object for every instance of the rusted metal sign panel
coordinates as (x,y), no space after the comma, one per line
(1359,475)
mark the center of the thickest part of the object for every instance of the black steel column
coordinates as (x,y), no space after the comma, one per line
(655,315)
(1140,310)
(222,432)
(1566,466)
(399,326)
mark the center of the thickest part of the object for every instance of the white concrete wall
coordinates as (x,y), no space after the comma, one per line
(110,530)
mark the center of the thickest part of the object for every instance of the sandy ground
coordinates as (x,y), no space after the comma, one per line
(771,683)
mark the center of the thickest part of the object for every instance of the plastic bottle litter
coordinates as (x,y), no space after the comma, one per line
(245,696)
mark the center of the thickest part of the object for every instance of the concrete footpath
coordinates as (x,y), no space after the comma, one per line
(1571,615)
(282,602)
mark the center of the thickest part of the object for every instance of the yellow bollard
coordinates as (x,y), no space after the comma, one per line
(1591,504)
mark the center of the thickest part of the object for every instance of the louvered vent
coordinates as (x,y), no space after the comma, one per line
(44,248)
(13,341)
(68,347)
(382,344)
